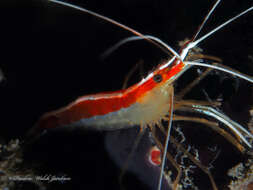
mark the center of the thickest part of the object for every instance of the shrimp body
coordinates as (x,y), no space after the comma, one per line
(143,103)
(151,100)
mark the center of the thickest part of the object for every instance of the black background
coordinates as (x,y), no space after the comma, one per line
(50,56)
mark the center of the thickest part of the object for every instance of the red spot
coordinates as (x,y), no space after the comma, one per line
(155,156)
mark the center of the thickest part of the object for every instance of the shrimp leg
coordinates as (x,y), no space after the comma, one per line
(214,126)
(196,162)
(133,149)
(170,158)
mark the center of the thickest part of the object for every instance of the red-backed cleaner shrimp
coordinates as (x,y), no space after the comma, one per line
(152,99)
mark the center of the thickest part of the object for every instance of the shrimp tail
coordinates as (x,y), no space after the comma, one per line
(47,121)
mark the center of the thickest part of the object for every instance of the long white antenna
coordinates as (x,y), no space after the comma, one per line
(134,38)
(193,44)
(135,32)
(222,68)
(205,20)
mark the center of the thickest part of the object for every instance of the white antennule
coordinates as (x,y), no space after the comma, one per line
(216,67)
(133,38)
(193,44)
(205,19)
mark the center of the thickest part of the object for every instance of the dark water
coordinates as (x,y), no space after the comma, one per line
(50,56)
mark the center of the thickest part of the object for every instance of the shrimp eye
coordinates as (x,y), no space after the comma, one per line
(158,78)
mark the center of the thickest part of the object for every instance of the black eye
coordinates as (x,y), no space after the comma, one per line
(158,78)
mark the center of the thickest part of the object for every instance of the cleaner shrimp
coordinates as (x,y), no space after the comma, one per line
(152,100)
